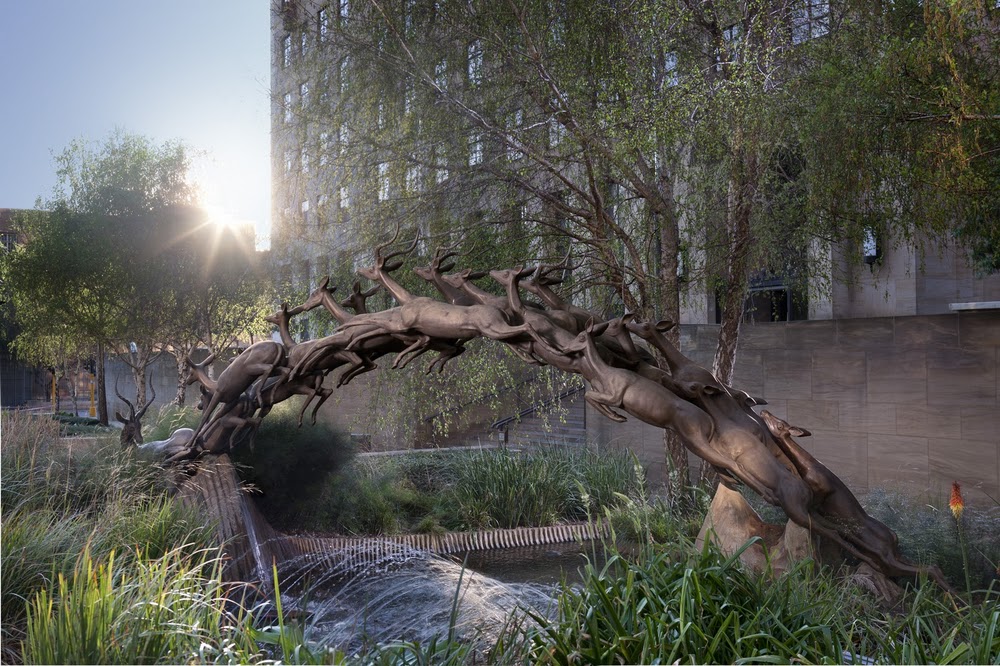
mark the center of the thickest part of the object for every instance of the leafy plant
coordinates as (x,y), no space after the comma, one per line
(167,610)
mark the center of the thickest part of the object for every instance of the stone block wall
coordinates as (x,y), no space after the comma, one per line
(910,403)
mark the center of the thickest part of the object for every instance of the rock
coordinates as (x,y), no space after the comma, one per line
(731,522)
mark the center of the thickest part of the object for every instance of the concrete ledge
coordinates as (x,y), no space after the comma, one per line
(975,305)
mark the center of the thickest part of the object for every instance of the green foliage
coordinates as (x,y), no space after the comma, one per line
(928,533)
(666,610)
(166,610)
(59,499)
(431,491)
(678,608)
(290,465)
(497,488)
(168,419)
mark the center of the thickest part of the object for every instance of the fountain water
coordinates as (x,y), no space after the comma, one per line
(418,598)
(354,593)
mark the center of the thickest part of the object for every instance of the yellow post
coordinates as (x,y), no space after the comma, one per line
(93,406)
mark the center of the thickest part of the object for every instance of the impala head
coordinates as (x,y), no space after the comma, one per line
(358,299)
(780,428)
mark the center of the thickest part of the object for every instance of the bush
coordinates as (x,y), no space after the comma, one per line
(708,609)
(58,502)
(291,466)
(166,610)
(497,488)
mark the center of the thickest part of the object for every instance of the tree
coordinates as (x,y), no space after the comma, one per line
(665,144)
(634,139)
(121,259)
(908,94)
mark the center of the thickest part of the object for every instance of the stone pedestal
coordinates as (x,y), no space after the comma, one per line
(731,522)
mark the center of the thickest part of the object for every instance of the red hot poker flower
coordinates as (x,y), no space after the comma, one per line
(956,503)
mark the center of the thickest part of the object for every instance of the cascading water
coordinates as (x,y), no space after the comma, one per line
(353,594)
(412,596)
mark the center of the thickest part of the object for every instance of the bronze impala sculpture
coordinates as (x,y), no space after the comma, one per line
(714,421)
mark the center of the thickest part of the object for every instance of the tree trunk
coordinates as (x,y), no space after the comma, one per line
(742,187)
(743,182)
(139,375)
(102,389)
(668,241)
(183,372)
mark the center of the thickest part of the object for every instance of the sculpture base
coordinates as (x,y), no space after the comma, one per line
(731,522)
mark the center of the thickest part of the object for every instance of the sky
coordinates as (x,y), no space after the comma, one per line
(191,70)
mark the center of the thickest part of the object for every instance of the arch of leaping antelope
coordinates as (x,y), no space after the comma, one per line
(714,421)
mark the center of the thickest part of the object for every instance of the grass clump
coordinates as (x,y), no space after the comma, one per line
(168,419)
(674,607)
(170,609)
(60,500)
(457,490)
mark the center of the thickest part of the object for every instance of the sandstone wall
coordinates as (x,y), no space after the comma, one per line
(910,403)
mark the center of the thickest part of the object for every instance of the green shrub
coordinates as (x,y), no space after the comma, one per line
(665,610)
(166,610)
(152,527)
(37,545)
(928,533)
(604,478)
(291,466)
(497,488)
(59,501)
(672,607)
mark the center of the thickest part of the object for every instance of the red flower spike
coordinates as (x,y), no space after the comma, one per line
(956,503)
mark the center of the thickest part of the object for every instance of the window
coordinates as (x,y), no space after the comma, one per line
(408,99)
(475,63)
(324,148)
(288,107)
(286,50)
(304,44)
(304,207)
(304,159)
(323,19)
(324,88)
(441,75)
(383,181)
(670,68)
(8,240)
(556,132)
(288,161)
(413,178)
(304,94)
(343,138)
(440,175)
(345,197)
(476,149)
(344,68)
(871,248)
(408,12)
(810,19)
(344,11)
(381,115)
(515,123)
(731,39)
